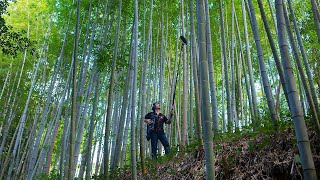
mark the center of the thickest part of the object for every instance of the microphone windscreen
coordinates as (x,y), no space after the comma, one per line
(184,40)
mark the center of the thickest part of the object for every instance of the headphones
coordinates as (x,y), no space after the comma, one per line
(154,106)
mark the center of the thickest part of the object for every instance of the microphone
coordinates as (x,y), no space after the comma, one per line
(184,40)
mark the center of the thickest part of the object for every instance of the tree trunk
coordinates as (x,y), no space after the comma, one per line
(74,96)
(239,87)
(48,138)
(11,115)
(225,61)
(110,99)
(133,97)
(195,74)
(272,15)
(309,171)
(263,71)
(45,112)
(9,95)
(233,119)
(49,157)
(92,125)
(6,161)
(143,90)
(97,168)
(83,65)
(248,54)
(185,86)
(79,136)
(23,118)
(123,112)
(242,62)
(115,124)
(301,92)
(66,128)
(274,50)
(301,72)
(305,59)
(205,114)
(6,80)
(316,17)
(213,94)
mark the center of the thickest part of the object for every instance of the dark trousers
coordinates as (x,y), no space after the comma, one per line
(155,136)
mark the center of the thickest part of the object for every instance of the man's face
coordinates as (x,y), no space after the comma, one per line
(157,106)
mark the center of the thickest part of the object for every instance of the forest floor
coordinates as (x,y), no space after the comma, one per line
(264,155)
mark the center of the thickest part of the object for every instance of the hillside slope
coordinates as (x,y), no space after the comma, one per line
(261,156)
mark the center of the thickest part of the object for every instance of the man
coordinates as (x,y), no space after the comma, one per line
(155,121)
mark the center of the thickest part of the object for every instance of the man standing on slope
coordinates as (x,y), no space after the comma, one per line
(155,132)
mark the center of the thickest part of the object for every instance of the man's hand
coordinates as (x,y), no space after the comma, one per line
(148,121)
(172,111)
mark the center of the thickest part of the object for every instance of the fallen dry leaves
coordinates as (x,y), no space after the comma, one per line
(273,156)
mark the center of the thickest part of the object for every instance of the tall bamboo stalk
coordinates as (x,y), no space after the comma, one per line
(263,71)
(135,59)
(205,113)
(301,71)
(309,171)
(213,93)
(248,55)
(304,57)
(110,98)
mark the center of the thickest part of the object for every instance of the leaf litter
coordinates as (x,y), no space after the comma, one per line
(265,156)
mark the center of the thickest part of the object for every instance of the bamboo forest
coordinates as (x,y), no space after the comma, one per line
(159,89)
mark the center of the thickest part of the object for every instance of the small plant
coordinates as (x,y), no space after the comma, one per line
(53,175)
(251,147)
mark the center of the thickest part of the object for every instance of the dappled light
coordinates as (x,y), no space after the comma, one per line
(159,89)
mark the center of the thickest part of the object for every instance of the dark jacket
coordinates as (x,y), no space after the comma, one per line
(158,121)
